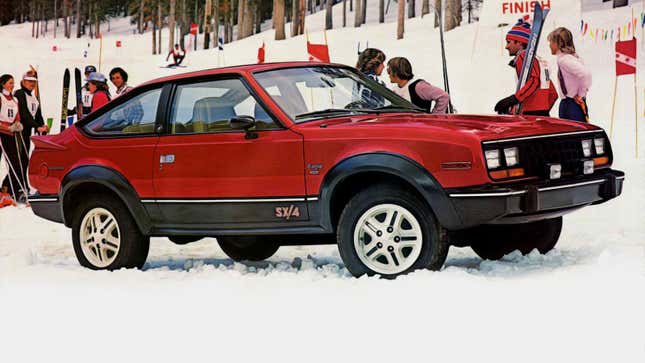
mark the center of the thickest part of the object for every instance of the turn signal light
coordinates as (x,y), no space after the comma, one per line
(600,161)
(503,174)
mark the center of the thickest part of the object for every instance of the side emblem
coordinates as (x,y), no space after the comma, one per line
(287,212)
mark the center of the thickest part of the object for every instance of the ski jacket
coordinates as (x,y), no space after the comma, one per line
(538,94)
(9,113)
(99,99)
(122,90)
(422,94)
(29,109)
(574,76)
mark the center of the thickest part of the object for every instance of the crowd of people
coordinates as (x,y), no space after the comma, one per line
(21,116)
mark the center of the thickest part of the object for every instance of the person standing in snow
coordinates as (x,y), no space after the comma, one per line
(573,75)
(30,116)
(10,126)
(421,93)
(538,95)
(178,54)
(97,84)
(119,79)
(371,63)
(86,95)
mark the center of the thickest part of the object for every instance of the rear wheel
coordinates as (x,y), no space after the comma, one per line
(247,248)
(105,236)
(494,241)
(388,231)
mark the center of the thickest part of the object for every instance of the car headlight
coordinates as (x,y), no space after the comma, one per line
(586,148)
(512,156)
(492,159)
(599,144)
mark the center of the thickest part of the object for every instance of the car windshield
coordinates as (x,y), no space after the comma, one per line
(307,93)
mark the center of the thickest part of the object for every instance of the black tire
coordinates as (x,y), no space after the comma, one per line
(134,246)
(247,248)
(182,240)
(434,248)
(494,241)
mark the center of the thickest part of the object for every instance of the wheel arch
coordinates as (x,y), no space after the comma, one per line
(101,179)
(360,171)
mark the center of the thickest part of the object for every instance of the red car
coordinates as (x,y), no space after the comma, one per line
(262,156)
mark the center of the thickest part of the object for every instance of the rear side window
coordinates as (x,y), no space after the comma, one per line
(207,107)
(135,116)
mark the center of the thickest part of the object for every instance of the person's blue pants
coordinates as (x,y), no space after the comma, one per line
(570,110)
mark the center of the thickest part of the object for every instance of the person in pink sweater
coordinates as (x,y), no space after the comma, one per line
(574,77)
(421,93)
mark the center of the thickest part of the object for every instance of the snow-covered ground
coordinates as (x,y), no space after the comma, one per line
(584,301)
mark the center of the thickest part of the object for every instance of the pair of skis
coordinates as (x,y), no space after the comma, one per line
(79,101)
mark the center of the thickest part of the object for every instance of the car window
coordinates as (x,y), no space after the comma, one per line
(208,107)
(135,116)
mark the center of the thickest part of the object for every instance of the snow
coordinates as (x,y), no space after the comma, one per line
(581,302)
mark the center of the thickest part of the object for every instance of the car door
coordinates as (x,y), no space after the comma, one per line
(210,175)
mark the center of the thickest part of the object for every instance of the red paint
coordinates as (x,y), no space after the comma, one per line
(225,165)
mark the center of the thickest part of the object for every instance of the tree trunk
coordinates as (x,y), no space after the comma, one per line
(400,26)
(55,17)
(159,26)
(295,14)
(215,23)
(357,14)
(66,26)
(154,35)
(140,20)
(207,23)
(344,13)
(364,10)
(226,17)
(240,18)
(453,14)
(89,19)
(328,16)
(437,12)
(381,11)
(411,9)
(231,20)
(301,20)
(247,29)
(171,26)
(33,23)
(425,7)
(258,16)
(278,16)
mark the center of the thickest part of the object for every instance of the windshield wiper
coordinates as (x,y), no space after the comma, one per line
(394,108)
(328,111)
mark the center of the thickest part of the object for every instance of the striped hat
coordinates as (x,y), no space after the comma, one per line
(520,32)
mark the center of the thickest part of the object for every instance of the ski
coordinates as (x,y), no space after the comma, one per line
(79,100)
(63,112)
(539,15)
(446,85)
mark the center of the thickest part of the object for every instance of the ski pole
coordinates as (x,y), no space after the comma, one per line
(11,169)
(22,170)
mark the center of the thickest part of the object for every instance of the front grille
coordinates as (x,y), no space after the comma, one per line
(536,154)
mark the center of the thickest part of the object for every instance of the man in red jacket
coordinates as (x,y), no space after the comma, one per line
(538,95)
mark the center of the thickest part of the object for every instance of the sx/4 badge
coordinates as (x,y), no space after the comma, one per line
(287,212)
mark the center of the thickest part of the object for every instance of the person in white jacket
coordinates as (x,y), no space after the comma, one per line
(574,77)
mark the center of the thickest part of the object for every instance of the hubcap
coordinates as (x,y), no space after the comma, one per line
(388,239)
(100,237)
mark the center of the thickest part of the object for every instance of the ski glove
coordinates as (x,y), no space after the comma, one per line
(15,127)
(503,107)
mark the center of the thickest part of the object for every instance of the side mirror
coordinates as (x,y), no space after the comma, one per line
(244,123)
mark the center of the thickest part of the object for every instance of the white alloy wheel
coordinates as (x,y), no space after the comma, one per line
(388,239)
(100,237)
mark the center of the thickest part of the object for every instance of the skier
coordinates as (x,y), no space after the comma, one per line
(30,116)
(419,92)
(574,76)
(178,55)
(10,126)
(538,95)
(119,79)
(97,85)
(371,63)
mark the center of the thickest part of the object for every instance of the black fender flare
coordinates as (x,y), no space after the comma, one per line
(114,181)
(396,165)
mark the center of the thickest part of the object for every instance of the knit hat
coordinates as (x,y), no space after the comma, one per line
(520,32)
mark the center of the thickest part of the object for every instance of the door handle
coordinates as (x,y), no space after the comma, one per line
(167,159)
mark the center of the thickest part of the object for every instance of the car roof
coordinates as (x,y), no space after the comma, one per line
(238,69)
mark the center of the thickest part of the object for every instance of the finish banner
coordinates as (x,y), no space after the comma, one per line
(499,12)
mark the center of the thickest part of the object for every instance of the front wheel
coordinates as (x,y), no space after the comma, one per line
(105,236)
(388,231)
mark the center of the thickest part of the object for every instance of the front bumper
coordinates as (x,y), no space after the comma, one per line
(47,206)
(532,202)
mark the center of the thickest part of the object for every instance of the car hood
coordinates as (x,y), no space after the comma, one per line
(481,127)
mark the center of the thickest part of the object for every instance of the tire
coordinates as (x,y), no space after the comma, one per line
(493,242)
(411,240)
(183,240)
(247,248)
(122,244)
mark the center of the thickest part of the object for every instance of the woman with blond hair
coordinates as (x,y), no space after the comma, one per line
(573,75)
